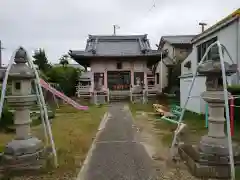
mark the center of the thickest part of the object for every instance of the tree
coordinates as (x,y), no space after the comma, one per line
(174,71)
(64,60)
(61,75)
(40,59)
(43,76)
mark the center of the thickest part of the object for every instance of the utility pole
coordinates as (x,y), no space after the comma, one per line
(114,29)
(202,24)
(1,48)
(0,54)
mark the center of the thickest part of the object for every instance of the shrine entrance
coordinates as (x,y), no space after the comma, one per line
(119,80)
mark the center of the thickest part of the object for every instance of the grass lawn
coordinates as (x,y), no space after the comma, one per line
(140,107)
(73,133)
(195,122)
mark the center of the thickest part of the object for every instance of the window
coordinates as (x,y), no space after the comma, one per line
(201,49)
(220,82)
(119,65)
(17,85)
(139,75)
(157,78)
(119,80)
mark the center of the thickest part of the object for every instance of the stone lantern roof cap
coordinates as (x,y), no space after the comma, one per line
(21,56)
(21,70)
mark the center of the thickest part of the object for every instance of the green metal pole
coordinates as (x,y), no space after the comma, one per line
(206,115)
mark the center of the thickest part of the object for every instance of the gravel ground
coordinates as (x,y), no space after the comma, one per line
(151,137)
(118,154)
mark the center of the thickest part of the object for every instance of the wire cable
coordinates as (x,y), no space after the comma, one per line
(226,97)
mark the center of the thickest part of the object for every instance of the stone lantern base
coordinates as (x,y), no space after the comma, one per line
(137,98)
(99,97)
(207,165)
(24,155)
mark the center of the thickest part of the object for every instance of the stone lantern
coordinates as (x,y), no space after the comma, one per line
(138,91)
(99,92)
(210,159)
(24,151)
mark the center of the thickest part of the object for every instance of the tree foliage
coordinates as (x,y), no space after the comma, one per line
(43,75)
(6,121)
(40,59)
(174,71)
(64,60)
(66,77)
(173,79)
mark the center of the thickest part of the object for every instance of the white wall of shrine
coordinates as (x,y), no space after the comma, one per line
(102,66)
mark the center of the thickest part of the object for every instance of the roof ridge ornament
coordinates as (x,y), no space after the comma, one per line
(90,37)
(94,46)
(115,27)
(145,37)
(142,46)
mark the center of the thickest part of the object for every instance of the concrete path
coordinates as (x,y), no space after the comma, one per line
(117,153)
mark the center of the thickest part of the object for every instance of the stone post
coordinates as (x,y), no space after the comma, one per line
(138,92)
(214,96)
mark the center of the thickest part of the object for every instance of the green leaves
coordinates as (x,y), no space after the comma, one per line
(40,59)
(6,120)
(64,60)
(67,78)
(234,89)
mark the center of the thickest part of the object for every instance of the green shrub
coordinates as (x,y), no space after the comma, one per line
(7,121)
(234,89)
(66,77)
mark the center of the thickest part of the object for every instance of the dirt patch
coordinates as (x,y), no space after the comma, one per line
(156,137)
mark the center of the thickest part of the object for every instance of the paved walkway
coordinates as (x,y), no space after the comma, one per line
(118,154)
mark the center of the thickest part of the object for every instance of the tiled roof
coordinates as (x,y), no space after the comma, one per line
(115,46)
(177,39)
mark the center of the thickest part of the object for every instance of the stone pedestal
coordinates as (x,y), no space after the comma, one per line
(100,98)
(137,98)
(216,140)
(207,165)
(137,94)
(23,154)
(210,159)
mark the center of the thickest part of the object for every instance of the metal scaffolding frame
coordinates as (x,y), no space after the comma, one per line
(220,50)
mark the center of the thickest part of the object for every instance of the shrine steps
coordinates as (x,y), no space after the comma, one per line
(116,96)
